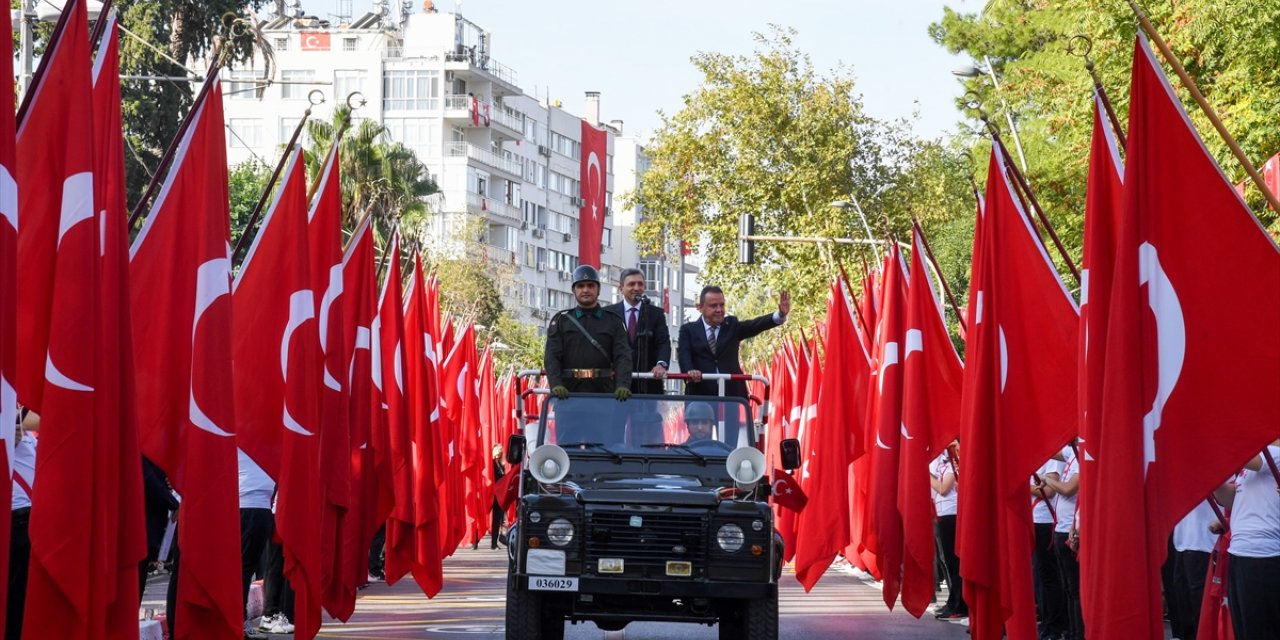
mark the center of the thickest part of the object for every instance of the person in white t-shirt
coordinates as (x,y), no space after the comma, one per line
(1192,544)
(24,480)
(1253,577)
(1051,602)
(942,479)
(257,523)
(1065,483)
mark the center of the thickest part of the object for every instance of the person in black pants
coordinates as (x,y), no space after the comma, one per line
(277,594)
(499,515)
(942,479)
(158,504)
(377,559)
(24,477)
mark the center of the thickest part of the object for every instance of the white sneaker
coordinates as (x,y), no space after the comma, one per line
(282,624)
(267,624)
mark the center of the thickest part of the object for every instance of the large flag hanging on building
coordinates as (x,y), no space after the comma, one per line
(371,496)
(8,282)
(932,381)
(1192,352)
(1019,406)
(421,393)
(278,370)
(1103,202)
(594,187)
(180,278)
(324,244)
(399,454)
(67,567)
(121,498)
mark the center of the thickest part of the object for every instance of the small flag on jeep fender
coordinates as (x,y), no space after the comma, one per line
(787,492)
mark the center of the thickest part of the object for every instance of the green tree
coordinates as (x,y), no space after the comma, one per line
(1229,47)
(769,136)
(380,178)
(246,182)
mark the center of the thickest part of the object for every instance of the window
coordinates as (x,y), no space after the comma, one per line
(295,84)
(411,90)
(513,192)
(281,44)
(243,85)
(287,126)
(350,44)
(651,271)
(414,133)
(348,81)
(246,133)
(568,147)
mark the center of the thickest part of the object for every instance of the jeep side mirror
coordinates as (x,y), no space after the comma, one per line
(516,444)
(790,450)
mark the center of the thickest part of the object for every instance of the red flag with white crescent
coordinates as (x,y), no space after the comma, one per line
(180,276)
(399,444)
(593,185)
(423,406)
(1189,349)
(8,283)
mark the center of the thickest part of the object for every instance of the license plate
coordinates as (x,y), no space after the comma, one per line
(540,583)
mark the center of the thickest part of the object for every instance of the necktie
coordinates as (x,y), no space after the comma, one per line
(631,324)
(711,339)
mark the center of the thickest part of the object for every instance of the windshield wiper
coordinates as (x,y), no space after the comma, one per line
(596,445)
(702,460)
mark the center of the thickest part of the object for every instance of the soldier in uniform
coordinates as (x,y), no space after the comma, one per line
(586,351)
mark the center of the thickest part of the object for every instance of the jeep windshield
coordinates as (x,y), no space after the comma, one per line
(677,426)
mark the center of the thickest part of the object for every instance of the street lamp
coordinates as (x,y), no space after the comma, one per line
(24,18)
(972,71)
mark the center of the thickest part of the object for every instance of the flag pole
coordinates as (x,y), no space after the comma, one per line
(221,53)
(100,25)
(924,241)
(284,160)
(337,138)
(1020,184)
(857,313)
(1194,90)
(1083,51)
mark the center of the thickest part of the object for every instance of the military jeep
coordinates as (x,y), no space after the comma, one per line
(653,509)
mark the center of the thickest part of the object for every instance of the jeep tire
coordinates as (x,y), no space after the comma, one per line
(760,617)
(524,613)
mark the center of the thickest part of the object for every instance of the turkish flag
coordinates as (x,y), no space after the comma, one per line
(508,488)
(315,40)
(1019,406)
(8,283)
(1103,202)
(1177,332)
(69,565)
(446,486)
(279,367)
(420,394)
(787,492)
(822,532)
(371,498)
(932,381)
(125,532)
(399,443)
(595,149)
(888,427)
(324,243)
(181,300)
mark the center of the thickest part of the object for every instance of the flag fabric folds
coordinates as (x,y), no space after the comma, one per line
(1195,277)
(180,278)
(8,283)
(398,443)
(423,416)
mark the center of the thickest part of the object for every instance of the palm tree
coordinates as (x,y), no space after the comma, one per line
(380,178)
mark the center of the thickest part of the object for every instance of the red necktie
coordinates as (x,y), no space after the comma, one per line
(631,324)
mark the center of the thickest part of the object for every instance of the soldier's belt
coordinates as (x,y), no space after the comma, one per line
(588,373)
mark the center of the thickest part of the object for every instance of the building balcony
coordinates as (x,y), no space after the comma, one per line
(465,60)
(492,208)
(459,108)
(499,255)
(484,156)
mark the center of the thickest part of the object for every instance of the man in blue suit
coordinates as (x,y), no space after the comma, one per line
(710,344)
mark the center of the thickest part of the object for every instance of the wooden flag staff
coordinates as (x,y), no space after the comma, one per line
(1192,88)
(1082,50)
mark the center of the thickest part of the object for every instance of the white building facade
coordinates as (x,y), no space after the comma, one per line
(505,161)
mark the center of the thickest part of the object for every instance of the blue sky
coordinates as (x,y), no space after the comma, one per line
(637,53)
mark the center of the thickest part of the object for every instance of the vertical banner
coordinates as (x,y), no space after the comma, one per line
(595,146)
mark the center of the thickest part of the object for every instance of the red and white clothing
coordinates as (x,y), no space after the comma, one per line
(1255,514)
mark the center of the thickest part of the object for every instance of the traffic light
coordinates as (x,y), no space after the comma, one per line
(746,246)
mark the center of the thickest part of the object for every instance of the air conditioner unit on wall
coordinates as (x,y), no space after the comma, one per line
(539,233)
(544,150)
(542,266)
(524,225)
(577,202)
(568,236)
(564,275)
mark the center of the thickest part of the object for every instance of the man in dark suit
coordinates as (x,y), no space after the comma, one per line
(710,344)
(646,332)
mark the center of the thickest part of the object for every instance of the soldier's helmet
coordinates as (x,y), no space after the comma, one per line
(586,273)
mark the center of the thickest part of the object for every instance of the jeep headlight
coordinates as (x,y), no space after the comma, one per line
(560,532)
(730,537)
